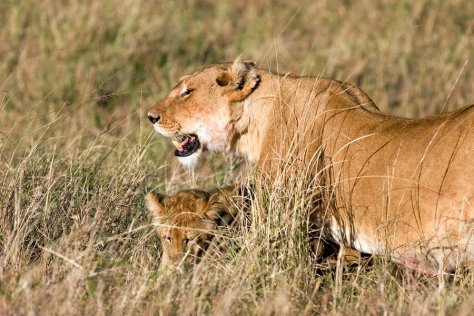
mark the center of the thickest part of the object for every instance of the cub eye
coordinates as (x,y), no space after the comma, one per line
(185,92)
(167,239)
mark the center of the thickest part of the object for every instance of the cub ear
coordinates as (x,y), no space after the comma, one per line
(220,207)
(154,203)
(240,80)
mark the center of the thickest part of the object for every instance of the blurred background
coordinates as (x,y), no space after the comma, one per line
(103,63)
(77,153)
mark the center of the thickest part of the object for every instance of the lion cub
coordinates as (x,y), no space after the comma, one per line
(186,222)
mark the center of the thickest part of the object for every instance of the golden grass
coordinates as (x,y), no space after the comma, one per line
(77,154)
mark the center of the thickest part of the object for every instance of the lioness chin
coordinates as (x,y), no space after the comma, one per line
(391,185)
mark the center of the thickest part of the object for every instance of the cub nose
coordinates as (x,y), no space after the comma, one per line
(153,119)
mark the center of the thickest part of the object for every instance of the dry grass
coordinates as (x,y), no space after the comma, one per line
(77,155)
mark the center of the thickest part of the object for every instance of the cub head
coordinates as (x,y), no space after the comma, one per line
(200,111)
(186,223)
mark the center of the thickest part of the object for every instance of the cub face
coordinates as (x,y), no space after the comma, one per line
(186,223)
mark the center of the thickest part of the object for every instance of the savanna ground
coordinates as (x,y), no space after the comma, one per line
(77,154)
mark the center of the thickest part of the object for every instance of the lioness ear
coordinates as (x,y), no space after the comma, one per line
(224,79)
(240,80)
(154,203)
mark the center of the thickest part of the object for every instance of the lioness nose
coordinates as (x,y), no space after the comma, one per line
(153,119)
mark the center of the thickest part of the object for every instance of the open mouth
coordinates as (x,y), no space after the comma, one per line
(186,145)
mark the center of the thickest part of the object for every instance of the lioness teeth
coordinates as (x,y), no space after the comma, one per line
(177,144)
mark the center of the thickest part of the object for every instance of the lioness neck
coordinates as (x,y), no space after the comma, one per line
(287,111)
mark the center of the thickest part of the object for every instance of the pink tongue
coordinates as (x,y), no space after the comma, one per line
(179,146)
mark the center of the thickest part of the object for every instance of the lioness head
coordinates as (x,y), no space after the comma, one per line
(200,111)
(186,223)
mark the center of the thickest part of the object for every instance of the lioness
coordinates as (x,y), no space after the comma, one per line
(389,185)
(186,222)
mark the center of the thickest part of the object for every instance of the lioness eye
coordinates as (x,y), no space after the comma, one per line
(186,92)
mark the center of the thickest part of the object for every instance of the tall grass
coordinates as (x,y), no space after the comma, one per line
(77,155)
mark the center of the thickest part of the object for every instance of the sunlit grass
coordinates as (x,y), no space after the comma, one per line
(77,154)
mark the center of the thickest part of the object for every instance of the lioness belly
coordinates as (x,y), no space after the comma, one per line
(425,240)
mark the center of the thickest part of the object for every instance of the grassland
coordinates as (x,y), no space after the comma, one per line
(77,154)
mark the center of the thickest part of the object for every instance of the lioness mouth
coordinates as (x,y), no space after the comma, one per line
(186,145)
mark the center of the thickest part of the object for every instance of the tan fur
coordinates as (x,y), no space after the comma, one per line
(186,222)
(392,186)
